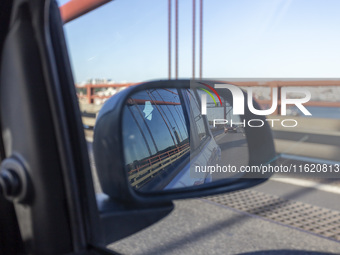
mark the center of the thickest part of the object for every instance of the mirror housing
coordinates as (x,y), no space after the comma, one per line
(110,159)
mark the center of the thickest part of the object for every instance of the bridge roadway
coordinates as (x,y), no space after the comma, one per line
(203,226)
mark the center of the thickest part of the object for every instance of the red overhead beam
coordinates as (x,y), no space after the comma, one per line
(76,8)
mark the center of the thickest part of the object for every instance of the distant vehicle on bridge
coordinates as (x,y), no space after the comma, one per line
(230,129)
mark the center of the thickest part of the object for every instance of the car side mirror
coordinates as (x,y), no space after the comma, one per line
(167,140)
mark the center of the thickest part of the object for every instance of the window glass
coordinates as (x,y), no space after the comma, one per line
(263,45)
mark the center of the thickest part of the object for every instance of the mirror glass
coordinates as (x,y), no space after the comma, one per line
(169,144)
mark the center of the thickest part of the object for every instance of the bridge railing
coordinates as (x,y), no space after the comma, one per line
(90,90)
(152,166)
(313,137)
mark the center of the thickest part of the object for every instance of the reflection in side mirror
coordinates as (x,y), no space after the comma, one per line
(153,144)
(169,144)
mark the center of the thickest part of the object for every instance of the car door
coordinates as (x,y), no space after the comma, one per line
(45,169)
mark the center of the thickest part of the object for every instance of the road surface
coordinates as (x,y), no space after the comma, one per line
(234,152)
(220,226)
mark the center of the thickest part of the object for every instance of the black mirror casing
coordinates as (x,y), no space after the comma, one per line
(109,156)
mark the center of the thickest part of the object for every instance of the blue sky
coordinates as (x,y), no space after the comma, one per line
(127,40)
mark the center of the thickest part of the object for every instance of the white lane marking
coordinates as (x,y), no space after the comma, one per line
(308,184)
(308,159)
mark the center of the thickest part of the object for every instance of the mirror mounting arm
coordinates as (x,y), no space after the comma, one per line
(118,221)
